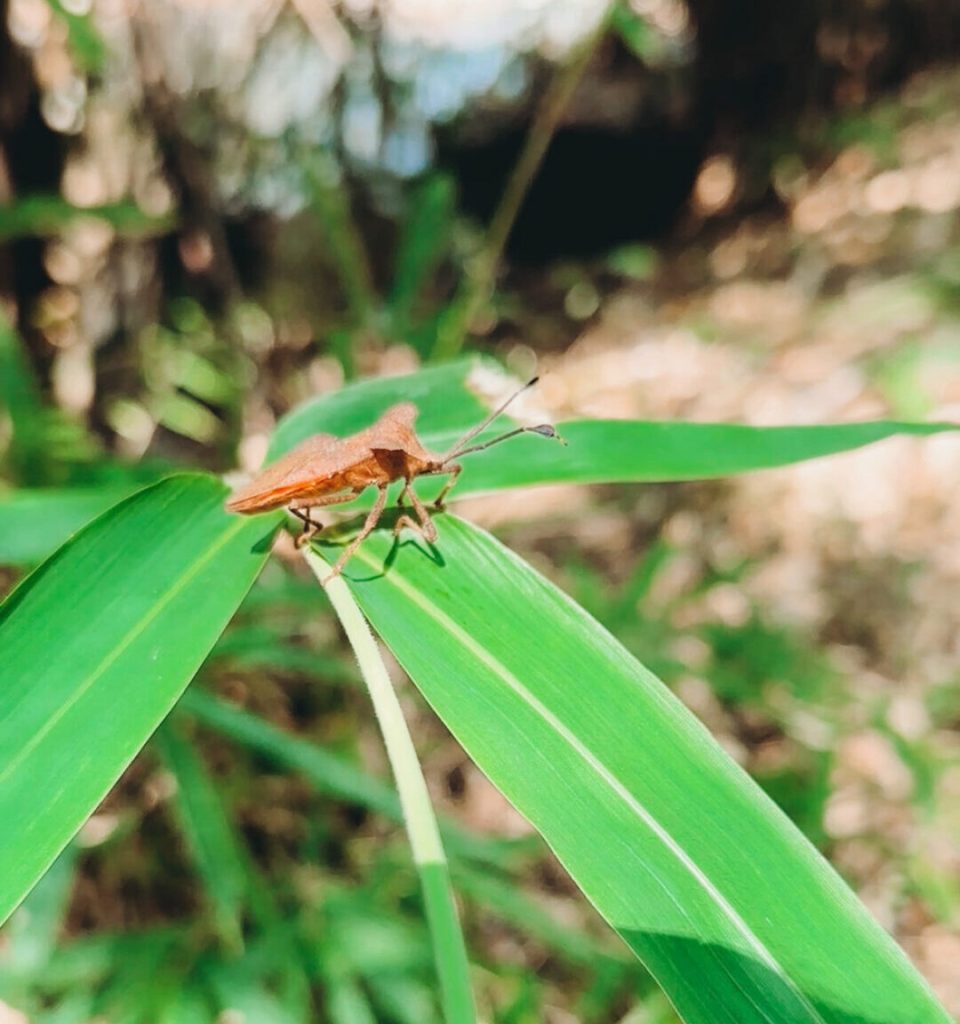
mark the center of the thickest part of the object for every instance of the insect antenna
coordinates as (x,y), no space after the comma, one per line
(544,430)
(460,448)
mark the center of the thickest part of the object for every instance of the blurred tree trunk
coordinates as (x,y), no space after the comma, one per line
(31,161)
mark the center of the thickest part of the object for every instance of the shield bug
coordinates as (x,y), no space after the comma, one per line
(327,470)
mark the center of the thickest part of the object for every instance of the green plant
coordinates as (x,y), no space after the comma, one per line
(706,881)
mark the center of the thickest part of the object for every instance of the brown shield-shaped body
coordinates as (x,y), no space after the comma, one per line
(323,465)
(326,470)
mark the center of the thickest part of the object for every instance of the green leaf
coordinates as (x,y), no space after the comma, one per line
(36,521)
(98,643)
(507,900)
(440,393)
(189,1006)
(19,389)
(244,994)
(269,647)
(633,29)
(74,1008)
(30,937)
(91,961)
(218,854)
(345,999)
(44,215)
(426,235)
(85,42)
(597,451)
(330,205)
(41,439)
(641,451)
(329,773)
(731,909)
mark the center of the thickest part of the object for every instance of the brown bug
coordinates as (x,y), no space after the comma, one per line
(328,470)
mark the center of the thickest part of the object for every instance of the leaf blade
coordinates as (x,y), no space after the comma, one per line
(35,521)
(730,908)
(439,392)
(597,451)
(98,613)
(331,774)
(218,855)
(650,451)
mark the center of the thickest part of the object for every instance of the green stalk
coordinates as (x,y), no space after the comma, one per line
(478,282)
(449,948)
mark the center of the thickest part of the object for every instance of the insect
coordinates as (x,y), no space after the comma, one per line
(327,470)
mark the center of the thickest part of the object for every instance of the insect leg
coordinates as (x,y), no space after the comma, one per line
(372,519)
(405,521)
(303,516)
(311,528)
(425,527)
(454,470)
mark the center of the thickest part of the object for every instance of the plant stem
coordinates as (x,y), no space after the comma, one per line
(478,281)
(331,206)
(449,949)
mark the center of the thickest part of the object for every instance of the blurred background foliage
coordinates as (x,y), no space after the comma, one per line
(211,211)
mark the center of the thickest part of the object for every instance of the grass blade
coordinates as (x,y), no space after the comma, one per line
(98,644)
(216,850)
(36,521)
(31,936)
(598,451)
(735,914)
(336,776)
(425,237)
(327,772)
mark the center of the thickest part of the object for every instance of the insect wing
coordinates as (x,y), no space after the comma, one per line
(302,468)
(394,432)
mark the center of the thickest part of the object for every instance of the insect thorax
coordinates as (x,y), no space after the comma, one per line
(396,464)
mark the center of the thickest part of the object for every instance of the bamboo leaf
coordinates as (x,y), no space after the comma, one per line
(731,909)
(598,451)
(97,644)
(218,854)
(440,393)
(36,521)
